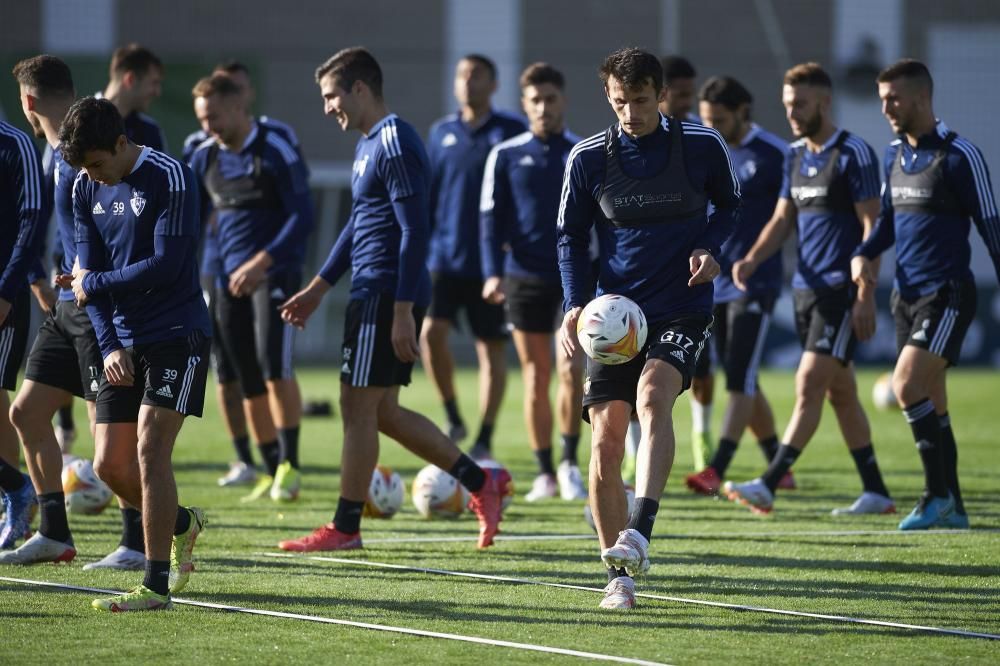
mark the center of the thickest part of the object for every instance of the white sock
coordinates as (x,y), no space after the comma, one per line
(633,438)
(701,416)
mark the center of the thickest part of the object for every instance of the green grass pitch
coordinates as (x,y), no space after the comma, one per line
(702,549)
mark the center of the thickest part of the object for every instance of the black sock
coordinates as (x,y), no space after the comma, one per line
(157,576)
(643,516)
(348,516)
(544,457)
(64,418)
(271,453)
(451,409)
(769,447)
(569,446)
(288,440)
(132,534)
(11,479)
(927,434)
(780,464)
(949,452)
(468,473)
(52,516)
(616,573)
(183,521)
(485,437)
(723,456)
(871,476)
(242,446)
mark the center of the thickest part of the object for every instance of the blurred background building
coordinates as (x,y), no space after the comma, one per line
(418,42)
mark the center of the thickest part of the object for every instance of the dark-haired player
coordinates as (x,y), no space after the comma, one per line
(135,79)
(136,213)
(458,146)
(645,184)
(385,246)
(935,182)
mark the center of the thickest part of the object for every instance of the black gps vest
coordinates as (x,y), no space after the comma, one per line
(666,197)
(827,191)
(253,190)
(924,191)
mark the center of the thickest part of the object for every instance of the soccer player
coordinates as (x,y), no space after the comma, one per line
(742,318)
(678,81)
(935,181)
(830,195)
(458,147)
(136,213)
(520,200)
(135,78)
(645,184)
(385,246)
(22,233)
(257,188)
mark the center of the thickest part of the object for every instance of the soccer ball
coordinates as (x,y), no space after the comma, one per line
(437,494)
(612,329)
(385,494)
(883,396)
(508,493)
(629,501)
(85,493)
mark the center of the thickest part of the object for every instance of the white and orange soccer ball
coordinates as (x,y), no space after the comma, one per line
(588,515)
(437,494)
(385,494)
(85,492)
(883,396)
(612,329)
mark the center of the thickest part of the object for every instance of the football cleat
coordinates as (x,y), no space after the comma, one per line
(705,482)
(702,449)
(39,549)
(619,594)
(787,482)
(239,474)
(140,599)
(287,482)
(327,537)
(121,558)
(20,507)
(753,494)
(487,504)
(181,551)
(867,503)
(544,487)
(929,512)
(262,489)
(570,481)
(956,521)
(629,553)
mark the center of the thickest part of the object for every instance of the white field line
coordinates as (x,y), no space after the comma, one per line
(659,597)
(735,535)
(363,625)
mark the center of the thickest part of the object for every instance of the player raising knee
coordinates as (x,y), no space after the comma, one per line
(385,246)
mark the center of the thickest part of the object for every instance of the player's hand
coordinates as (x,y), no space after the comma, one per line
(863,273)
(493,292)
(704,267)
(64,280)
(44,294)
(863,315)
(118,368)
(4,309)
(245,279)
(742,270)
(567,332)
(404,332)
(77,286)
(297,309)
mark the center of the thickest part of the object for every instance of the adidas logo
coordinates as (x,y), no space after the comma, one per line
(449,140)
(526,161)
(278,294)
(346,368)
(920,335)
(98,209)
(93,385)
(823,344)
(165,391)
(679,355)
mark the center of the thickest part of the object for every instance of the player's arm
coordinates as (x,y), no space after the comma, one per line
(293,189)
(975,191)
(297,309)
(724,193)
(864,184)
(575,221)
(24,176)
(495,208)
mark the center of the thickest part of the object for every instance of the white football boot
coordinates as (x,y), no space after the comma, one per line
(570,481)
(629,553)
(121,558)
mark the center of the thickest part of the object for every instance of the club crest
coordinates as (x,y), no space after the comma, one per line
(138,202)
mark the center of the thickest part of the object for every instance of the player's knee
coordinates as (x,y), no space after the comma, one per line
(810,385)
(434,332)
(20,415)
(907,389)
(606,457)
(656,399)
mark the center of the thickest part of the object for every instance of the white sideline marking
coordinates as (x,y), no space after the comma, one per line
(659,597)
(583,537)
(363,625)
